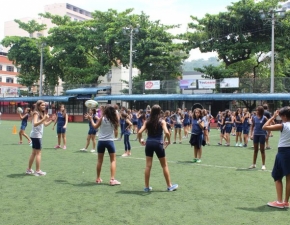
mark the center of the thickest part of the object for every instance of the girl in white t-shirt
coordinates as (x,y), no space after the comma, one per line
(39,118)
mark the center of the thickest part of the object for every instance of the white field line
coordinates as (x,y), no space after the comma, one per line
(199,164)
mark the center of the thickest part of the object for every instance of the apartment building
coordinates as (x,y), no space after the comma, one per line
(9,86)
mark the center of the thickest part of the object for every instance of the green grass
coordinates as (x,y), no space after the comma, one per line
(220,190)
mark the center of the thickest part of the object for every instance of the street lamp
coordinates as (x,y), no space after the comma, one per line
(271,15)
(131,31)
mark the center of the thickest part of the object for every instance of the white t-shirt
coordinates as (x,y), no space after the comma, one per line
(37,131)
(106,130)
(284,140)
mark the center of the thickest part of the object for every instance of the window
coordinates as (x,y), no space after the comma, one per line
(10,68)
(9,80)
(0,67)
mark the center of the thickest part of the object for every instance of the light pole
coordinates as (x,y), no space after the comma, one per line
(41,68)
(131,30)
(270,15)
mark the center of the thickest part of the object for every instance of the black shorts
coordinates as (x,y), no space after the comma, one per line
(36,143)
(282,163)
(154,146)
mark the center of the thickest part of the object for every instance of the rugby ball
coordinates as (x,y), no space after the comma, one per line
(19,110)
(91,104)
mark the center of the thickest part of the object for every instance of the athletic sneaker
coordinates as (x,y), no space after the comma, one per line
(39,173)
(276,204)
(263,167)
(57,146)
(237,145)
(252,166)
(268,147)
(244,145)
(173,187)
(198,160)
(194,160)
(20,142)
(83,149)
(98,181)
(64,147)
(286,204)
(93,150)
(114,182)
(241,145)
(220,144)
(125,155)
(31,171)
(147,189)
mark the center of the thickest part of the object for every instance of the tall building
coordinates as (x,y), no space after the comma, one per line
(11,28)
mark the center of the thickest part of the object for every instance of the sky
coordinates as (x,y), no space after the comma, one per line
(167,11)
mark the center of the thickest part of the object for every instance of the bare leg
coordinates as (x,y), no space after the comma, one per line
(195,152)
(263,154)
(64,138)
(199,152)
(164,166)
(287,189)
(99,164)
(256,149)
(31,158)
(26,136)
(113,165)
(279,190)
(37,159)
(148,170)
(93,138)
(20,135)
(88,141)
(58,139)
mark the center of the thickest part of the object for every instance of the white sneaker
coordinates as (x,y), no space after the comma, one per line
(237,145)
(39,173)
(241,145)
(263,167)
(83,149)
(252,166)
(93,150)
(31,171)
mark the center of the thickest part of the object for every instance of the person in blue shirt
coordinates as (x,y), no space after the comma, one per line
(186,122)
(126,129)
(228,125)
(246,121)
(134,120)
(61,121)
(92,131)
(24,119)
(239,127)
(196,138)
(259,136)
(155,127)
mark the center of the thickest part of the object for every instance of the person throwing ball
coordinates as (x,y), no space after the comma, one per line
(155,127)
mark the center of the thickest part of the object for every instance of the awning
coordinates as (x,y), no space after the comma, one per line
(199,97)
(36,98)
(85,91)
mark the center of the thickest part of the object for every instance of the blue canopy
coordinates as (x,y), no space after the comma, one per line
(36,98)
(205,97)
(85,91)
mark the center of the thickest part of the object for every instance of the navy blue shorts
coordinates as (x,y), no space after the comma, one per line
(60,130)
(134,122)
(154,146)
(223,130)
(228,130)
(92,132)
(239,129)
(259,139)
(177,126)
(196,140)
(185,124)
(23,127)
(282,163)
(246,131)
(103,145)
(36,143)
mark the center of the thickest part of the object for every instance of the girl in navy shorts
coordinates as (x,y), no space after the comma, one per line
(246,121)
(39,118)
(155,127)
(282,161)
(24,119)
(108,125)
(61,121)
(92,131)
(259,136)
(228,121)
(126,130)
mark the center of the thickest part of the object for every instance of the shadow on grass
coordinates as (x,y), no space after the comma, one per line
(17,175)
(262,209)
(140,193)
(184,162)
(82,184)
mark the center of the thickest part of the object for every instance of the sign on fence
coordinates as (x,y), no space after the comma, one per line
(229,83)
(206,84)
(152,85)
(187,84)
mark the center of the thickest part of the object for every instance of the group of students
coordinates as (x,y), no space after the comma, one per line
(107,125)
(156,126)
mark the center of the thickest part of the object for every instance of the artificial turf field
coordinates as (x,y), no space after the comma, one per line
(220,190)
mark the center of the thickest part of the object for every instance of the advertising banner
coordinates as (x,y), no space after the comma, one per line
(229,83)
(206,84)
(152,85)
(187,84)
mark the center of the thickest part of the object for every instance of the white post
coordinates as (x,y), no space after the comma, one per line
(131,61)
(41,70)
(272,54)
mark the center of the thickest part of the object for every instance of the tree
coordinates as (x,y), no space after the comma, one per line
(236,34)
